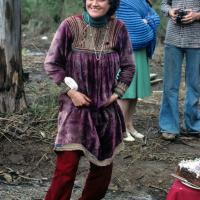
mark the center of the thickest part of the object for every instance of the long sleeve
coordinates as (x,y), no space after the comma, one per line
(165,6)
(127,64)
(55,61)
(140,33)
(186,35)
(153,19)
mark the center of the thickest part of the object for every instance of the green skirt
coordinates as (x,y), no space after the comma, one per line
(140,86)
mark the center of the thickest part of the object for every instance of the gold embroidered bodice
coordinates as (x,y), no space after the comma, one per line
(91,38)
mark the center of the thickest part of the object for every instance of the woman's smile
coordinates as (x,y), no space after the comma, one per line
(97,8)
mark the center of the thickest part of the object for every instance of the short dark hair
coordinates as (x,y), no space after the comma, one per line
(113,6)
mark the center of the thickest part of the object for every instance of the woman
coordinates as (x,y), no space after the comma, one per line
(86,53)
(141,21)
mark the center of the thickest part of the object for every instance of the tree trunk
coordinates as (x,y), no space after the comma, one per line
(12,97)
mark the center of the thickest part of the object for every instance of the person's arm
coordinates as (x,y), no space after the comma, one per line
(166,7)
(55,60)
(127,67)
(140,32)
(55,63)
(197,16)
(153,19)
(127,64)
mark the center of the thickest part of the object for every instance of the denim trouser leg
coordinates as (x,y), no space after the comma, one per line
(191,111)
(169,111)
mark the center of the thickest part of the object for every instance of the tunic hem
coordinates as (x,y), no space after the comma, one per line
(88,155)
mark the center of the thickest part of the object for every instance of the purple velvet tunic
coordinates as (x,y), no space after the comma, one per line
(96,130)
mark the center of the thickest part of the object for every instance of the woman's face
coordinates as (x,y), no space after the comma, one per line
(97,8)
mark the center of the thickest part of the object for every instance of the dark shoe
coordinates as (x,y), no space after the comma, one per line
(168,136)
(190,134)
(197,135)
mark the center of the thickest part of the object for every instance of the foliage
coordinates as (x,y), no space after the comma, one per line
(42,100)
(42,15)
(162,27)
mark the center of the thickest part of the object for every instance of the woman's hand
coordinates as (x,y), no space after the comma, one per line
(78,98)
(145,21)
(190,17)
(173,14)
(113,98)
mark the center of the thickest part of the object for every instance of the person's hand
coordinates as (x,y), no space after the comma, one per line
(78,98)
(190,17)
(145,21)
(113,98)
(173,14)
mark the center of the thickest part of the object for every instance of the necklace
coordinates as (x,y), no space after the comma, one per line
(98,53)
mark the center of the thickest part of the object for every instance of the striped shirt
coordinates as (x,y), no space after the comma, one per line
(184,36)
(133,13)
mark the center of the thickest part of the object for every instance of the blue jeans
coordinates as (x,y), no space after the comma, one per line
(169,111)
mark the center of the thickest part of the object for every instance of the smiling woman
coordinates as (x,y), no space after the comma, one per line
(89,50)
(97,8)
(113,5)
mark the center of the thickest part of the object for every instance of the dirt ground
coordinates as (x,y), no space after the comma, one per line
(142,171)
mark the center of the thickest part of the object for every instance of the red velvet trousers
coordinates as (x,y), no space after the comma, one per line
(62,183)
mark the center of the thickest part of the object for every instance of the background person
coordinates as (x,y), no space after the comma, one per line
(87,51)
(142,22)
(182,40)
